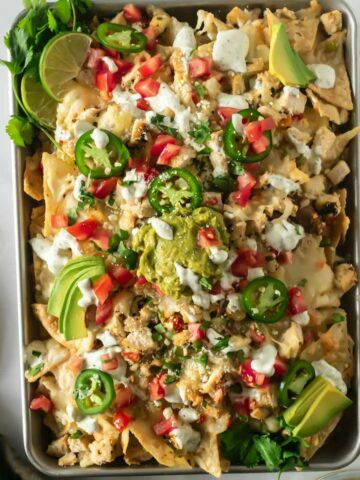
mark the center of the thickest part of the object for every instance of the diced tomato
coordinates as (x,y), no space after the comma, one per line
(256,335)
(253,131)
(241,405)
(225,113)
(151,35)
(75,363)
(122,275)
(296,301)
(101,238)
(103,312)
(169,152)
(121,420)
(132,13)
(59,221)
(245,184)
(102,188)
(149,173)
(207,237)
(251,167)
(260,145)
(151,66)
(141,282)
(102,288)
(196,332)
(285,258)
(123,66)
(160,143)
(147,87)
(165,426)
(246,259)
(94,57)
(41,403)
(109,363)
(178,323)
(157,387)
(297,117)
(250,377)
(216,288)
(123,396)
(195,97)
(200,67)
(105,80)
(142,104)
(267,124)
(202,418)
(212,201)
(132,357)
(280,367)
(83,230)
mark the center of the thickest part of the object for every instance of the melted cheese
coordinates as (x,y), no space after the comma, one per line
(230,50)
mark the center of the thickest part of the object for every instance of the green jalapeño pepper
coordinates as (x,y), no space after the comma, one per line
(167,190)
(94,391)
(297,377)
(121,38)
(95,162)
(237,147)
(265,299)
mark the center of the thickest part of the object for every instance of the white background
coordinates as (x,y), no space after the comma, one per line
(10,408)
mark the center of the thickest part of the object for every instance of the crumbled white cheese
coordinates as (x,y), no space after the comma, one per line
(230,50)
(127,101)
(256,272)
(325,75)
(137,187)
(101,139)
(167,413)
(217,255)
(234,302)
(188,415)
(109,62)
(263,360)
(88,296)
(233,101)
(50,251)
(283,235)
(282,183)
(162,229)
(186,438)
(291,100)
(324,369)
(107,339)
(185,40)
(250,243)
(302,318)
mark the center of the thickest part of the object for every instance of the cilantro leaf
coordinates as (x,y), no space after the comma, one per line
(223,183)
(221,344)
(128,255)
(34,4)
(201,133)
(86,198)
(63,10)
(200,90)
(52,22)
(36,369)
(159,121)
(123,39)
(205,283)
(269,451)
(20,130)
(338,317)
(100,156)
(18,42)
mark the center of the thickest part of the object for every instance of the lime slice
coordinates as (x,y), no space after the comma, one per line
(61,61)
(37,102)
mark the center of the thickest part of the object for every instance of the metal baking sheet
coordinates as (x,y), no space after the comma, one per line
(343,445)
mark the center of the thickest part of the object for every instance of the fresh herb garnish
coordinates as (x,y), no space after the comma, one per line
(221,344)
(205,283)
(201,133)
(76,435)
(72,216)
(338,317)
(223,183)
(36,354)
(86,198)
(169,379)
(160,328)
(20,130)
(173,367)
(197,345)
(200,90)
(203,359)
(205,325)
(158,121)
(35,369)
(303,282)
(128,256)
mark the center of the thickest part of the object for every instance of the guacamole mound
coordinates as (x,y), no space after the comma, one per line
(157,256)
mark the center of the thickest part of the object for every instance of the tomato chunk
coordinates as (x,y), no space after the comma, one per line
(105,80)
(165,426)
(94,57)
(253,131)
(151,66)
(196,332)
(102,288)
(256,335)
(296,301)
(169,152)
(178,323)
(123,396)
(260,145)
(132,13)
(147,87)
(207,237)
(241,405)
(122,275)
(103,312)
(267,124)
(200,67)
(132,357)
(41,402)
(142,104)
(59,221)
(83,230)
(225,113)
(157,387)
(280,367)
(250,377)
(109,363)
(121,420)
(101,238)
(151,35)
(245,184)
(160,143)
(102,188)
(245,260)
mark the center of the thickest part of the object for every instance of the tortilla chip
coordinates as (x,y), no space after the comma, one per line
(58,183)
(339,225)
(52,355)
(37,221)
(317,441)
(333,113)
(155,445)
(208,454)
(33,179)
(133,452)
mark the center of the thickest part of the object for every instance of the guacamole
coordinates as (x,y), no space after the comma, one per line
(157,256)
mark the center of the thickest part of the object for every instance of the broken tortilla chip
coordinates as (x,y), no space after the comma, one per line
(49,354)
(208,455)
(33,177)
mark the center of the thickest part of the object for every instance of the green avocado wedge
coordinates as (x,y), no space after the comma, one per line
(64,279)
(284,62)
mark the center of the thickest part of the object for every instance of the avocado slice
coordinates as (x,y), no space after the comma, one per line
(329,403)
(297,411)
(284,62)
(72,316)
(64,279)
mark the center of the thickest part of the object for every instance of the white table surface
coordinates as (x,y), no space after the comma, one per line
(10,408)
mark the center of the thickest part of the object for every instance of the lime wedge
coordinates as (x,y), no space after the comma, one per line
(37,102)
(61,61)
